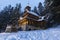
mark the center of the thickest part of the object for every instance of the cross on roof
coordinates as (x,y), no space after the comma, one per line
(28,2)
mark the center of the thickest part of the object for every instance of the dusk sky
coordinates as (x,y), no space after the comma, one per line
(24,3)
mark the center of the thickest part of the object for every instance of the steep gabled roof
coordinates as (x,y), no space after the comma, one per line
(33,13)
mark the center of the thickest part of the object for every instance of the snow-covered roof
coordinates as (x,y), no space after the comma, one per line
(41,18)
(32,13)
(21,18)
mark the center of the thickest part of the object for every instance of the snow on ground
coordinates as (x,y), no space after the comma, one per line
(48,34)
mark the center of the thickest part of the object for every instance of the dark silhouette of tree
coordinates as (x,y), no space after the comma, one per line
(4,17)
(40,7)
(14,16)
(35,10)
(9,15)
(52,6)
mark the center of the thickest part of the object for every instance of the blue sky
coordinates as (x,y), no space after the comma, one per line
(32,3)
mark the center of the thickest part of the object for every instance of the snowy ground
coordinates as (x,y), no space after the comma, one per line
(48,34)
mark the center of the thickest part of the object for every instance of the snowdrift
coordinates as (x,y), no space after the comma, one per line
(48,34)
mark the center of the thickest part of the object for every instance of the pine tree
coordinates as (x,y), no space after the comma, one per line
(15,14)
(35,9)
(9,15)
(40,7)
